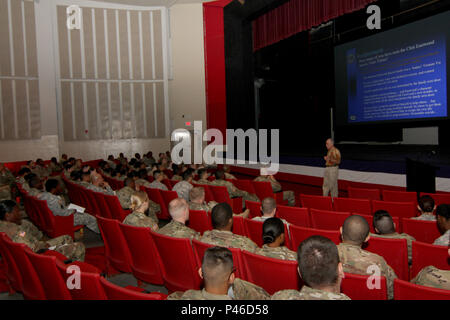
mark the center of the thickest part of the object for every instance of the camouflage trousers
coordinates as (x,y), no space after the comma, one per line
(290,197)
(330,182)
(246,196)
(74,251)
(85,219)
(5,192)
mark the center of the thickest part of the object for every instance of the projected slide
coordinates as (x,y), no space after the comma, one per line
(396,83)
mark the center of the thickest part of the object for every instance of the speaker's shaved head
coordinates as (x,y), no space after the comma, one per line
(355,229)
(217,266)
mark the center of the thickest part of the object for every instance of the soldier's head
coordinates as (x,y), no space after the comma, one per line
(188,175)
(222,217)
(29,176)
(129,182)
(64,157)
(53,186)
(319,265)
(355,230)
(202,174)
(24,171)
(96,178)
(139,201)
(35,182)
(142,173)
(383,223)
(217,270)
(443,217)
(426,205)
(86,177)
(158,175)
(273,232)
(219,174)
(179,210)
(268,207)
(197,195)
(9,211)
(330,143)
(111,157)
(76,175)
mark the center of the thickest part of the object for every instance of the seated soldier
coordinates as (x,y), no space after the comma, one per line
(197,196)
(178,173)
(433,277)
(222,221)
(276,186)
(385,228)
(85,178)
(7,183)
(179,211)
(68,168)
(157,184)
(21,177)
(99,185)
(23,231)
(36,187)
(125,193)
(227,172)
(184,187)
(142,179)
(139,218)
(443,221)
(273,238)
(55,204)
(355,232)
(203,177)
(220,281)
(321,271)
(426,208)
(54,166)
(232,190)
(269,210)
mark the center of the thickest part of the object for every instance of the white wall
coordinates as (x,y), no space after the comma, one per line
(186,92)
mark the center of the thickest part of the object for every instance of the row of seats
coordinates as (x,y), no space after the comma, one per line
(45,277)
(156,258)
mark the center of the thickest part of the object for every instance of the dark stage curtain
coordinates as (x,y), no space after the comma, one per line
(298,15)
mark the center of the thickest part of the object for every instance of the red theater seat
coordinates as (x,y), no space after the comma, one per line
(424,255)
(168,196)
(245,185)
(361,193)
(404,290)
(264,190)
(114,207)
(439,198)
(316,202)
(115,292)
(12,271)
(220,194)
(254,207)
(327,220)
(298,234)
(396,209)
(199,220)
(400,196)
(238,226)
(423,231)
(294,215)
(155,196)
(356,288)
(363,206)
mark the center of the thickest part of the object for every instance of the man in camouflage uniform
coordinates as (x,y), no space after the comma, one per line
(7,182)
(220,282)
(23,231)
(228,175)
(433,277)
(385,228)
(184,187)
(85,180)
(197,197)
(157,184)
(55,204)
(355,232)
(99,185)
(443,221)
(142,179)
(36,187)
(426,208)
(125,193)
(41,170)
(222,221)
(321,270)
(203,177)
(232,190)
(276,187)
(330,178)
(148,159)
(269,210)
(179,211)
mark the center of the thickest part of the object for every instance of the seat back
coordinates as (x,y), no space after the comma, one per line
(254,231)
(55,287)
(356,288)
(199,220)
(362,193)
(168,196)
(31,285)
(155,196)
(178,264)
(439,198)
(245,185)
(115,292)
(94,206)
(115,208)
(363,206)
(238,226)
(396,209)
(201,247)
(369,219)
(116,249)
(294,215)
(254,207)
(220,194)
(298,234)
(271,274)
(316,202)
(103,205)
(424,254)
(327,220)
(404,290)
(263,189)
(400,196)
(167,183)
(423,231)
(144,257)
(12,271)
(394,251)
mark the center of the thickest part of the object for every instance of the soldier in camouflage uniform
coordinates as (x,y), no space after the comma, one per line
(142,179)
(269,210)
(138,218)
(433,277)
(184,187)
(126,192)
(385,228)
(203,177)
(23,231)
(20,179)
(443,221)
(218,274)
(222,221)
(179,211)
(55,204)
(276,187)
(232,190)
(99,185)
(7,182)
(228,175)
(35,184)
(157,184)
(197,197)
(321,270)
(426,208)
(273,239)
(355,232)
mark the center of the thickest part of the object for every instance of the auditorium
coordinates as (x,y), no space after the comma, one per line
(252,150)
